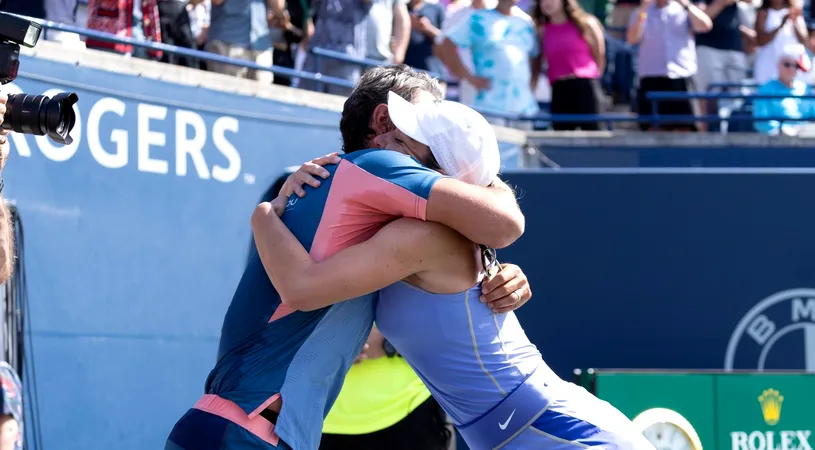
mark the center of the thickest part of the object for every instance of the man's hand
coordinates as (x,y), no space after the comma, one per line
(4,144)
(506,290)
(480,83)
(279,19)
(364,355)
(306,175)
(420,23)
(374,347)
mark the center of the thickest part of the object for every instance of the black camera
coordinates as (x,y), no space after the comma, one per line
(31,114)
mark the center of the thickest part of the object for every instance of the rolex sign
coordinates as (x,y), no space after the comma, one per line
(765,412)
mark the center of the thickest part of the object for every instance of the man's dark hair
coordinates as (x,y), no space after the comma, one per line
(372,90)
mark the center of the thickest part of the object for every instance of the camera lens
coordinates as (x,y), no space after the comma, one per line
(42,115)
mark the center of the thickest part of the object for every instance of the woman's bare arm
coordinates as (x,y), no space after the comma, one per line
(764,37)
(402,248)
(597,43)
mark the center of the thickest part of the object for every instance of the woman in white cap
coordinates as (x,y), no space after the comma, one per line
(479,364)
(789,88)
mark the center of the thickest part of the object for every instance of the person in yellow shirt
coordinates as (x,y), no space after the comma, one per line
(384,405)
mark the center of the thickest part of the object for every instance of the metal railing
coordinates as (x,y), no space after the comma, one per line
(191,53)
(656,97)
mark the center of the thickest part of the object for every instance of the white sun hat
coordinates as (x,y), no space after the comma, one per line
(461,139)
(797,53)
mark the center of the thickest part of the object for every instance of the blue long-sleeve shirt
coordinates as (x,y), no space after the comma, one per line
(792,106)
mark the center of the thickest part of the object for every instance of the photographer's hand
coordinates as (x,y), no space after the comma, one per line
(6,231)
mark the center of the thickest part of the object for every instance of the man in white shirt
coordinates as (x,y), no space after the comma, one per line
(388,31)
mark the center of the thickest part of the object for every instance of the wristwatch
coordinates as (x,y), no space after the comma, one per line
(390,350)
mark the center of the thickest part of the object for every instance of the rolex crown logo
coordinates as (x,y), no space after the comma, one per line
(771,401)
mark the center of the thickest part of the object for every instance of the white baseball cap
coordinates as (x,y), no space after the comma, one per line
(797,53)
(461,139)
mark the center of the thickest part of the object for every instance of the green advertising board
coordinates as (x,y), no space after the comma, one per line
(716,411)
(690,395)
(765,412)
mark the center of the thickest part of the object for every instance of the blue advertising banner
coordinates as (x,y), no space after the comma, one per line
(680,269)
(662,155)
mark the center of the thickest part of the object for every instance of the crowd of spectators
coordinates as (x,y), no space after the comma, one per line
(494,51)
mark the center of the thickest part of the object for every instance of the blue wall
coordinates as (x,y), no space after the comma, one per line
(659,268)
(668,156)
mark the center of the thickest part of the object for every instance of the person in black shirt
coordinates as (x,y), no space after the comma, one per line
(176,30)
(425,21)
(291,28)
(719,52)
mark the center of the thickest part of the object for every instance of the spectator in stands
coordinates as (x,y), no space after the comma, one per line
(426,20)
(341,26)
(502,42)
(792,59)
(199,26)
(621,16)
(176,29)
(239,29)
(779,23)
(136,19)
(63,11)
(82,13)
(33,8)
(384,405)
(667,55)
(453,6)
(297,27)
(747,17)
(458,11)
(720,55)
(574,47)
(388,31)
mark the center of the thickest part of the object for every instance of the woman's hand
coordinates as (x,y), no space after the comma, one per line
(506,290)
(480,83)
(307,174)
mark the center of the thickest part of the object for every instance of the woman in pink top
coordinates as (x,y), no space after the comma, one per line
(575,51)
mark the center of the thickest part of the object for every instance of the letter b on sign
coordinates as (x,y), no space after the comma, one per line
(760,329)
